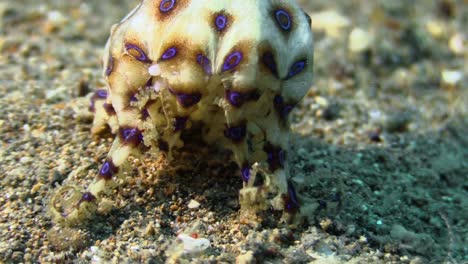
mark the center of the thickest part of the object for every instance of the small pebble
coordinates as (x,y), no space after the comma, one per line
(193,245)
(193,204)
(154,70)
(456,44)
(359,40)
(451,77)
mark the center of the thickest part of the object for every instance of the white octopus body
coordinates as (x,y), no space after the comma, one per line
(235,67)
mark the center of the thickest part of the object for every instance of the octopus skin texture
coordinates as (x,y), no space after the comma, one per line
(235,68)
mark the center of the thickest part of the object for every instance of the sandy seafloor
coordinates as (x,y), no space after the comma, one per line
(380,143)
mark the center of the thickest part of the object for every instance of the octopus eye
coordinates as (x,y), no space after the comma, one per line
(136,52)
(169,53)
(221,22)
(166,5)
(232,60)
(283,19)
(296,68)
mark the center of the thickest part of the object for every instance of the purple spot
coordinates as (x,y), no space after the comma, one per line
(163,146)
(269,60)
(101,93)
(132,136)
(166,5)
(109,109)
(236,133)
(141,54)
(291,204)
(278,101)
(286,110)
(245,173)
(296,68)
(133,98)
(107,170)
(203,61)
(98,94)
(235,98)
(180,123)
(275,156)
(232,60)
(283,19)
(185,99)
(110,65)
(281,157)
(169,53)
(149,83)
(87,197)
(221,22)
(144,114)
(282,108)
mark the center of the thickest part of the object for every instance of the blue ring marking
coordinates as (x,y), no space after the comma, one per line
(107,170)
(296,68)
(232,60)
(131,136)
(169,53)
(284,19)
(166,5)
(221,22)
(142,56)
(101,93)
(235,98)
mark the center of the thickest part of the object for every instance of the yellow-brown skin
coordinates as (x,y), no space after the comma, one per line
(235,67)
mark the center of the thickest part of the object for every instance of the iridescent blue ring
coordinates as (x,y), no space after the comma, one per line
(232,60)
(166,5)
(169,53)
(221,22)
(142,56)
(283,19)
(296,68)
